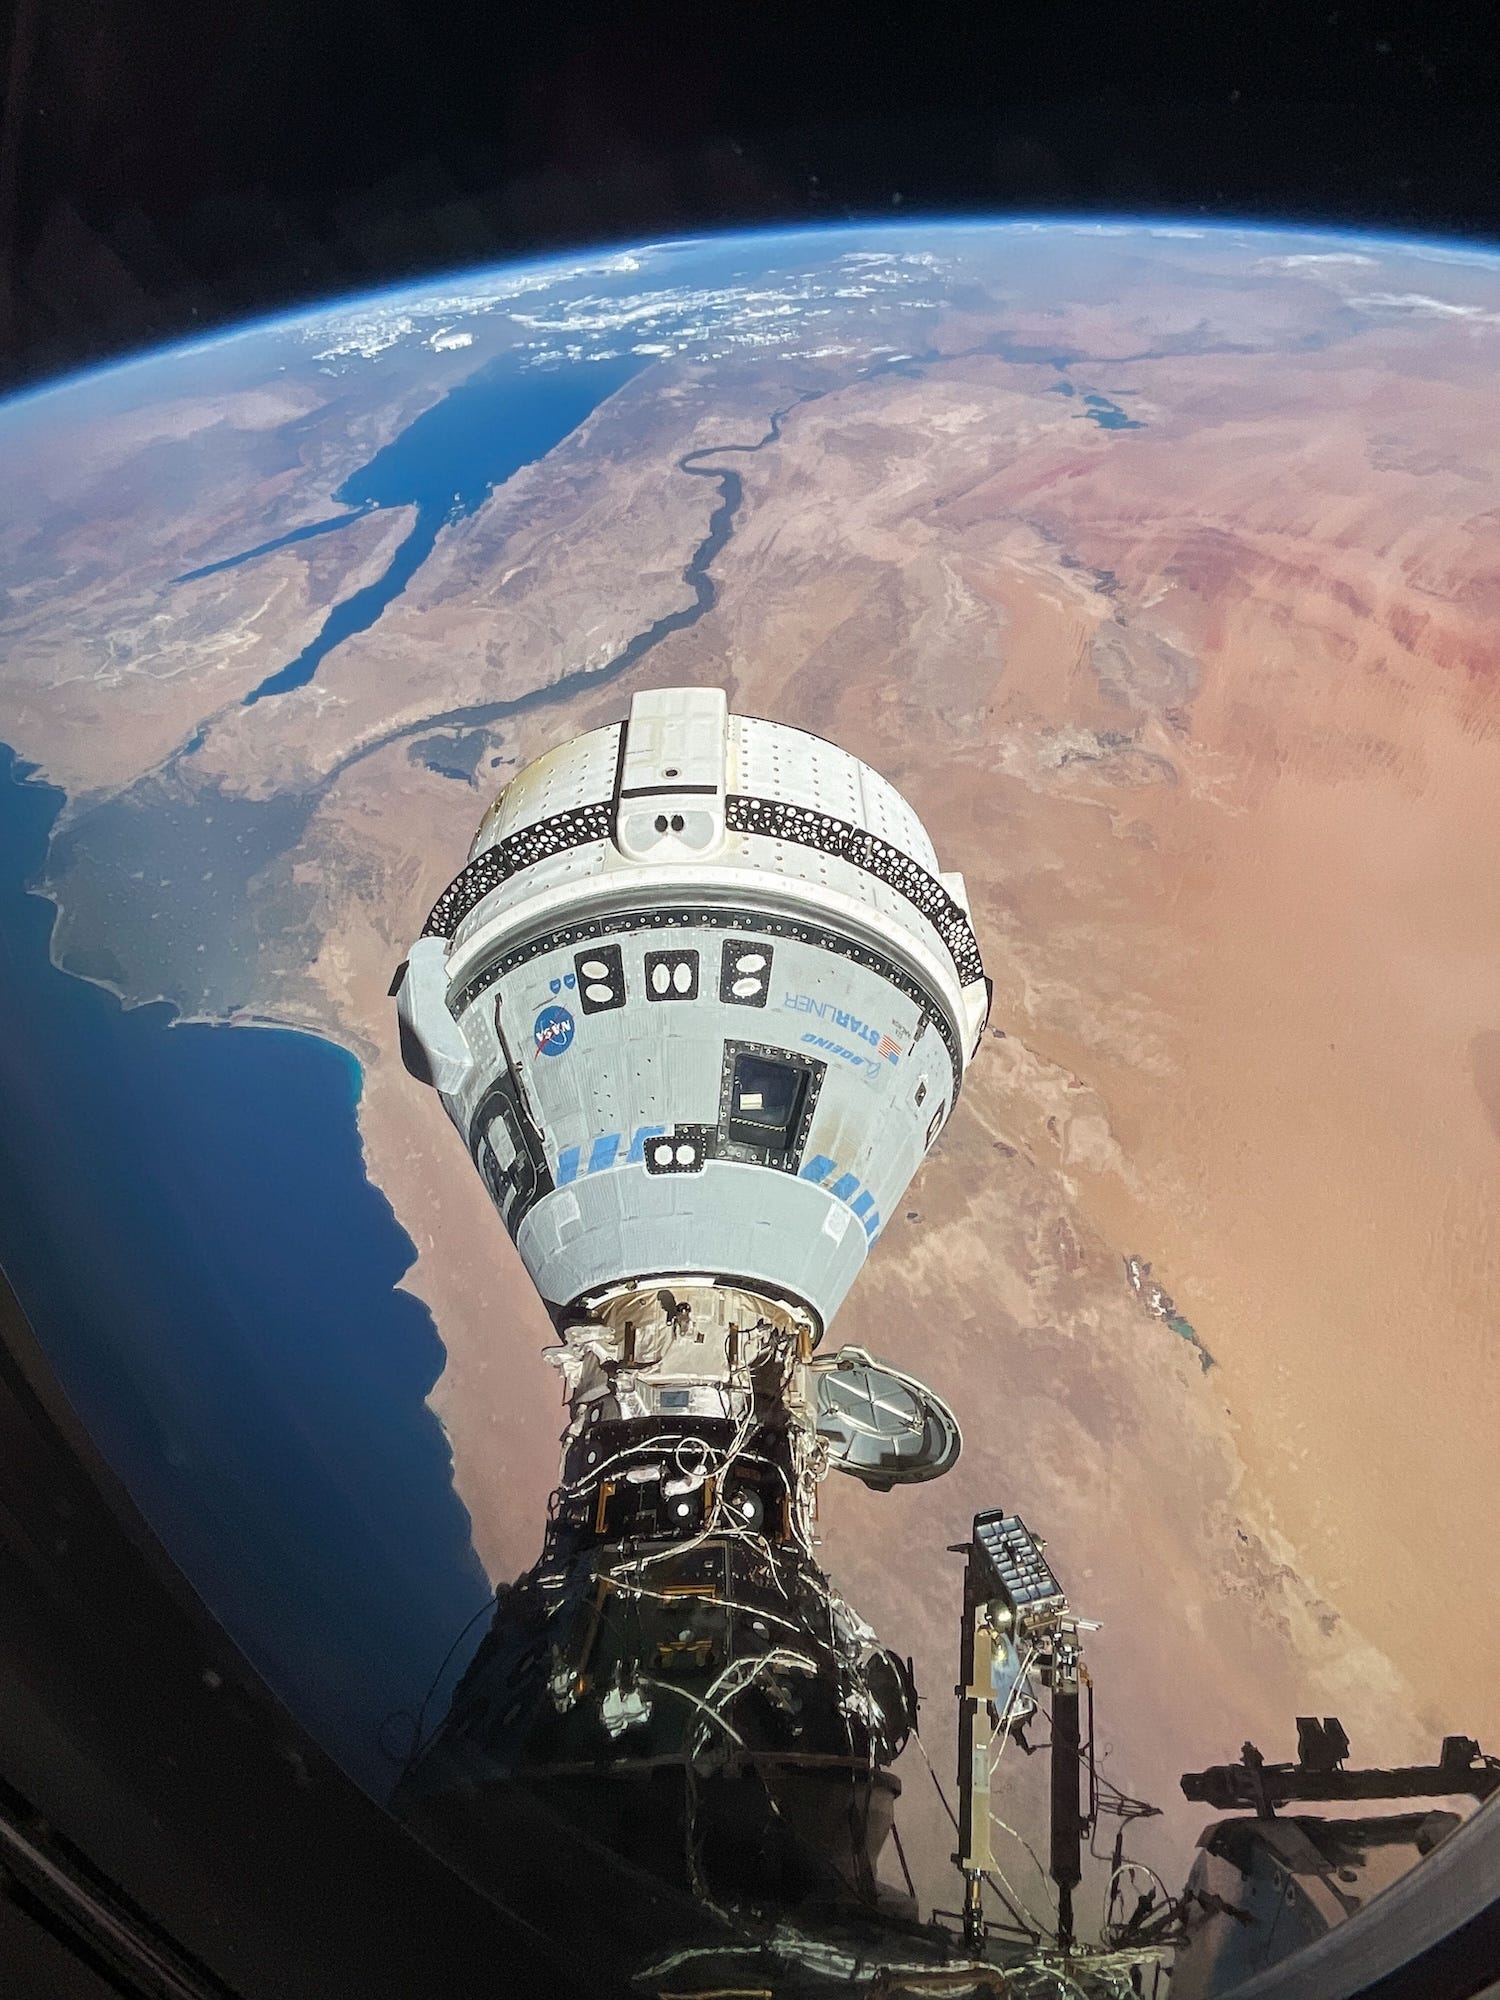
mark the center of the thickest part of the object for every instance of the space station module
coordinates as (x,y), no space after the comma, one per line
(699,1003)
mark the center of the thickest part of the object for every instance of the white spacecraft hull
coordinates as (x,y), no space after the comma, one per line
(650,912)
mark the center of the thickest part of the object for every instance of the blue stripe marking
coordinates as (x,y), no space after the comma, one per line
(604,1153)
(637,1151)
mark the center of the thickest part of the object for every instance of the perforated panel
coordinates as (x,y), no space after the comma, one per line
(808,827)
(834,820)
(574,774)
(888,816)
(774,761)
(777,762)
(632,982)
(529,844)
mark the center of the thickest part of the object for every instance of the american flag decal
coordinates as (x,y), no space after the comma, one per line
(889,1049)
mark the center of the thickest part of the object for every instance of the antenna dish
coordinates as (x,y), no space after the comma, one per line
(880,1424)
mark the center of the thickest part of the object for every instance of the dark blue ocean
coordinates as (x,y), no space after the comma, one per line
(444,464)
(187,1221)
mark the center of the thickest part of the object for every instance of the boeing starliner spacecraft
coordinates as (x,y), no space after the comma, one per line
(699,1004)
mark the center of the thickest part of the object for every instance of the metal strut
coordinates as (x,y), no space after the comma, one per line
(1015,1617)
(1068,1824)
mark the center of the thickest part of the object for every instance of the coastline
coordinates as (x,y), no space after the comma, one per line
(359,1054)
(238,1339)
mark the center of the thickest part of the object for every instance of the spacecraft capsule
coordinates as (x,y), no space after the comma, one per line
(699,1004)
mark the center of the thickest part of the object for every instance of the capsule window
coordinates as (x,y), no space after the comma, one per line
(683,1150)
(600,978)
(506,1151)
(765,1103)
(745,972)
(671,975)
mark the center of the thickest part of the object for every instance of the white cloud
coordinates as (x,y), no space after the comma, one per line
(1311,259)
(574,316)
(1418,304)
(1451,253)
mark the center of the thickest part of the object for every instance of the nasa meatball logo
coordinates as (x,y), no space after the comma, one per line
(553,1031)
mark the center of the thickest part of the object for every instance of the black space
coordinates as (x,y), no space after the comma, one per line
(169,164)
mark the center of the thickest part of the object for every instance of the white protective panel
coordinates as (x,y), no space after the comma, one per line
(730,1221)
(675,738)
(671,803)
(771,760)
(577,773)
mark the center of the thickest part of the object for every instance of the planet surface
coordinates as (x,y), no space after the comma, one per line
(1159,566)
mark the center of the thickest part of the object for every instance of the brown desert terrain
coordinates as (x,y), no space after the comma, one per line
(1206,707)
